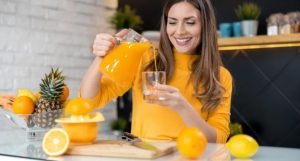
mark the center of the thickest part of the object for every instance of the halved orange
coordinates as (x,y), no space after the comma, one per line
(78,106)
(56,142)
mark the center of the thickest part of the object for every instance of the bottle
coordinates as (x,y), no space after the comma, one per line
(272,24)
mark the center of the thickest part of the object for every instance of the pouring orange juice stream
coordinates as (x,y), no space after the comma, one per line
(122,62)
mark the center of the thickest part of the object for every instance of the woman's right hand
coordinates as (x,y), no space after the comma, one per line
(104,42)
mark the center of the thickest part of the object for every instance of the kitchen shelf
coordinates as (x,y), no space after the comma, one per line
(258,42)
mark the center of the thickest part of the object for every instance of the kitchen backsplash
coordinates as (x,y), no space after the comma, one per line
(36,35)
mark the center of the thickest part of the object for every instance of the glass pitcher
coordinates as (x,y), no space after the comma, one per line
(122,62)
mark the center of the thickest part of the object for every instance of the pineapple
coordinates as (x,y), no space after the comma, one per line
(48,106)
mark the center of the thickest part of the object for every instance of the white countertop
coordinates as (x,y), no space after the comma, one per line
(15,146)
(11,147)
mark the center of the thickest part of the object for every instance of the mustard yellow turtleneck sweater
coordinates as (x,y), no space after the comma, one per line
(151,121)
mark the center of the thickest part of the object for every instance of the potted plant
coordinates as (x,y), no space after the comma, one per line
(235,128)
(119,126)
(126,18)
(248,13)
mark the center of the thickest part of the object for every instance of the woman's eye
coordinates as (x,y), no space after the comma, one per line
(190,23)
(172,23)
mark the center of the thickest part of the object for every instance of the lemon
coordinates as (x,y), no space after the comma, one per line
(28,93)
(242,146)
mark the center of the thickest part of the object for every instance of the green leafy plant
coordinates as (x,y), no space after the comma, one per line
(119,124)
(126,18)
(248,11)
(235,128)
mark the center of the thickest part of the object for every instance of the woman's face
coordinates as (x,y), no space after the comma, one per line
(184,27)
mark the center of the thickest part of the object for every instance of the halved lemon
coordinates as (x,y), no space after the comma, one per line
(56,142)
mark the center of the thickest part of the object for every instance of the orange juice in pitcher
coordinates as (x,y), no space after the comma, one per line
(122,62)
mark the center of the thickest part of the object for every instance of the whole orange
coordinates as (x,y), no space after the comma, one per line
(78,106)
(23,105)
(37,95)
(65,94)
(191,143)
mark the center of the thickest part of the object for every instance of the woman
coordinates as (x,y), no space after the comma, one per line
(198,90)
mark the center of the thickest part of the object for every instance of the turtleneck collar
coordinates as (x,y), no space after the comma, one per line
(183,60)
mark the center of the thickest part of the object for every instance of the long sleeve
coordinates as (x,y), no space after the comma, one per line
(108,91)
(220,118)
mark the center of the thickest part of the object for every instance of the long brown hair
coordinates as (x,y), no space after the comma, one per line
(205,70)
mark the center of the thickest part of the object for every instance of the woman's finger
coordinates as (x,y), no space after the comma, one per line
(104,36)
(102,47)
(102,44)
(99,53)
(122,33)
(163,95)
(105,39)
(162,87)
(158,102)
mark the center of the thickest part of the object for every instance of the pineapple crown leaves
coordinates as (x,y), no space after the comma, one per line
(248,11)
(55,73)
(52,85)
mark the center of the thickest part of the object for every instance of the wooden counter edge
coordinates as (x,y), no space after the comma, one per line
(260,40)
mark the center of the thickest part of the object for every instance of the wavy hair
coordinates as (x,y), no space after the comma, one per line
(205,69)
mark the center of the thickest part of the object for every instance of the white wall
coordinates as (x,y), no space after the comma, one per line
(36,35)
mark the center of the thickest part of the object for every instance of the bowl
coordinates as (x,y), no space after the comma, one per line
(82,129)
(35,125)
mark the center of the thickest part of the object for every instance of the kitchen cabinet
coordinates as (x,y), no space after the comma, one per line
(266,94)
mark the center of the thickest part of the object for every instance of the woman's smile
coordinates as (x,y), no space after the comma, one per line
(183,41)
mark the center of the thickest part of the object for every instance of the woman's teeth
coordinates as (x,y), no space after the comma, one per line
(183,40)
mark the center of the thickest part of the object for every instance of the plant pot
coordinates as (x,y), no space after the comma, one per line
(249,27)
(226,29)
(237,29)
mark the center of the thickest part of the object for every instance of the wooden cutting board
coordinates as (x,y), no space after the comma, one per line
(123,149)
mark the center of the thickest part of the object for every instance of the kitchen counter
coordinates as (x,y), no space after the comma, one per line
(12,148)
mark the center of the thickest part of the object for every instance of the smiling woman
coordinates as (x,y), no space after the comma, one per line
(198,89)
(184,27)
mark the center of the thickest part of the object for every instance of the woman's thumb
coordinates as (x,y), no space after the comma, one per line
(122,33)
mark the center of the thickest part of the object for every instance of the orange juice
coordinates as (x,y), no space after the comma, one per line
(122,62)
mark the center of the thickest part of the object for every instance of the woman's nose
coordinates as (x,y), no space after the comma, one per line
(180,29)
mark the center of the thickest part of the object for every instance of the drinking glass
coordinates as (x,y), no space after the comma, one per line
(149,80)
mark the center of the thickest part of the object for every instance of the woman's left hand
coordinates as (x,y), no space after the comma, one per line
(168,96)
